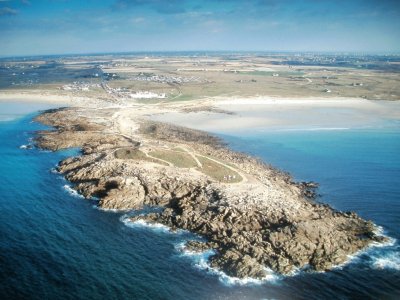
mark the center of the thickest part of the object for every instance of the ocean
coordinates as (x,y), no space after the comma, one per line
(55,244)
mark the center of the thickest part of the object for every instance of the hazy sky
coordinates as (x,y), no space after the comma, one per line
(72,26)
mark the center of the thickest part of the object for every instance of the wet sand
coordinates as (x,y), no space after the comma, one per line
(288,114)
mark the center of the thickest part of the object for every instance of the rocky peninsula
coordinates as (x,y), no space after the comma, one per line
(252,215)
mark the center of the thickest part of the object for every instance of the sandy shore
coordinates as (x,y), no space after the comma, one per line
(35,98)
(44,97)
(256,113)
(254,217)
(263,113)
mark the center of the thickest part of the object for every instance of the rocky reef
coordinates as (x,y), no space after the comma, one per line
(265,221)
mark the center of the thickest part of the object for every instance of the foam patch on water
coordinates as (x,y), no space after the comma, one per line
(375,246)
(145,224)
(389,260)
(380,231)
(371,251)
(385,255)
(26,147)
(71,191)
(377,255)
(54,171)
(111,210)
(201,261)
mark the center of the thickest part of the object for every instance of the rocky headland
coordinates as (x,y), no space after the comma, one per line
(252,215)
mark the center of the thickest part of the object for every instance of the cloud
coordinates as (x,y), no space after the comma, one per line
(7,11)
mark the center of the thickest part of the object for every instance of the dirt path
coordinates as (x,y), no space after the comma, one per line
(122,124)
(193,156)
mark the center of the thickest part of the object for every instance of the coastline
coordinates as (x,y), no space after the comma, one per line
(285,113)
(362,269)
(12,110)
(227,115)
(100,139)
(45,97)
(121,165)
(25,97)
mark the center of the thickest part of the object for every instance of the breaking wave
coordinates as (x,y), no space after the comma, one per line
(201,261)
(71,191)
(390,260)
(144,224)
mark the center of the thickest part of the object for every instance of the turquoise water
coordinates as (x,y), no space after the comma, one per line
(11,111)
(54,244)
(357,169)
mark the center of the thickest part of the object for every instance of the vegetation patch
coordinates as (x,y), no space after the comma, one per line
(133,153)
(218,171)
(169,132)
(178,159)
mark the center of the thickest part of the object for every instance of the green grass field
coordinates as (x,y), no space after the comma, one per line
(218,171)
(178,159)
(132,153)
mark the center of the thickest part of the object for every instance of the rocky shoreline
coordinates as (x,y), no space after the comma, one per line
(253,216)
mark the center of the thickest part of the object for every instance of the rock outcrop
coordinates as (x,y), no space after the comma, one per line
(264,222)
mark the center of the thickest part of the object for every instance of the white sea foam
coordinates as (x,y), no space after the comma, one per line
(111,210)
(380,231)
(384,255)
(374,251)
(378,259)
(201,258)
(181,247)
(379,255)
(54,171)
(71,191)
(201,261)
(143,223)
(387,261)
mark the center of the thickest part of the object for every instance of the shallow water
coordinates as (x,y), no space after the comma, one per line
(10,111)
(56,245)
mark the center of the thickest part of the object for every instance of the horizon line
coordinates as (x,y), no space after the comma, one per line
(379,53)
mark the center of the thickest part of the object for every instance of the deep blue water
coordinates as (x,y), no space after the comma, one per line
(57,245)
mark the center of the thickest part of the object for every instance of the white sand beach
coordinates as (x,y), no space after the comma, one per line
(35,98)
(256,113)
(287,114)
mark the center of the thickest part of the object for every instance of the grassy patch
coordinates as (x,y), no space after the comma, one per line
(132,153)
(179,149)
(178,159)
(183,97)
(221,161)
(218,171)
